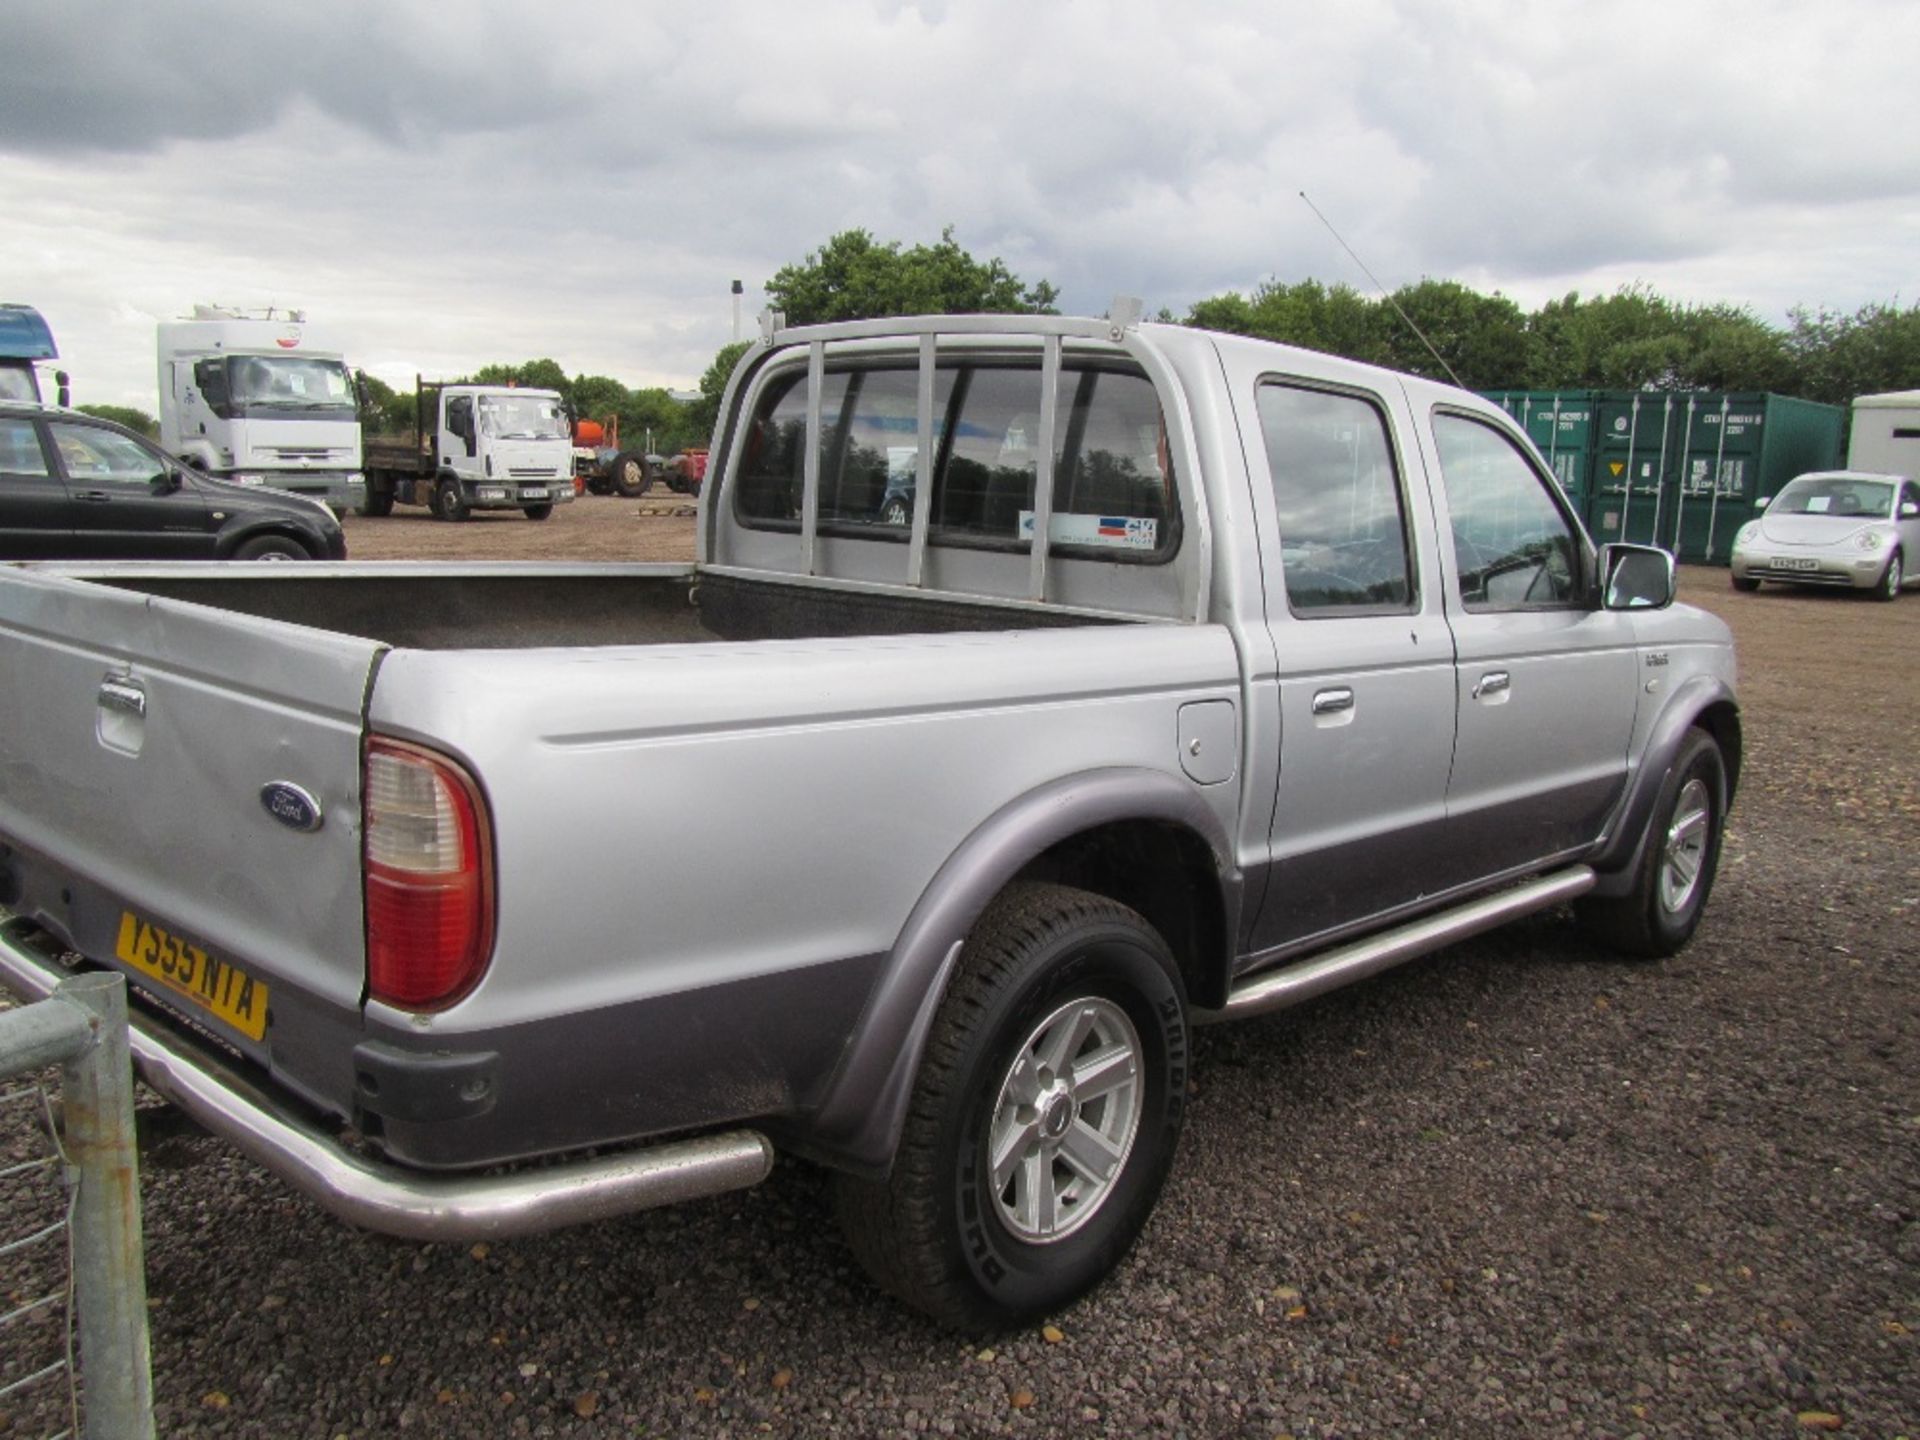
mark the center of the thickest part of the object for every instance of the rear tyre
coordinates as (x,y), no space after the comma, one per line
(538,512)
(376,503)
(1745,584)
(1680,856)
(1043,1120)
(1892,580)
(631,477)
(448,502)
(271,547)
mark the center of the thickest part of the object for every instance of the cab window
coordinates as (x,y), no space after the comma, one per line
(92,455)
(1342,519)
(1514,547)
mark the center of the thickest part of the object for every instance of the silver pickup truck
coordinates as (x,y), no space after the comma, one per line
(1043,687)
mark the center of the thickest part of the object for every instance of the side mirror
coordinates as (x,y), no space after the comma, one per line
(1909,510)
(64,395)
(1761,503)
(1636,577)
(472,435)
(165,483)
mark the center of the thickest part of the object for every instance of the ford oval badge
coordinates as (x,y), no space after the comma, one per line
(292,806)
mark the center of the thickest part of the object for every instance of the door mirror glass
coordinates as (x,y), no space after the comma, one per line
(1638,577)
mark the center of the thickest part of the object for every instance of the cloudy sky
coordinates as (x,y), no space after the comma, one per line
(444,186)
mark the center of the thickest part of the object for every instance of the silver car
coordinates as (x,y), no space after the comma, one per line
(1835,528)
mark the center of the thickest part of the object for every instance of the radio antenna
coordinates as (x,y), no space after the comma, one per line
(1384,294)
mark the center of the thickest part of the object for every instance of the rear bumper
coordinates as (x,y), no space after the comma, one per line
(301,1148)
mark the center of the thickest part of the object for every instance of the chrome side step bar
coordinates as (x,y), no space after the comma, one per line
(1303,980)
(379,1195)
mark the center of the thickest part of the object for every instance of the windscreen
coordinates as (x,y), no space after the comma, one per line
(522,417)
(293,383)
(1836,495)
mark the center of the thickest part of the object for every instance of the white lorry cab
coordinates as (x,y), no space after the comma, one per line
(261,401)
(25,344)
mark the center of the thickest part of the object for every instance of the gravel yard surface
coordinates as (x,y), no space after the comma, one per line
(1521,1187)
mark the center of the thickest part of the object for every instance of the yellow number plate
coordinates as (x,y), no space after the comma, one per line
(184,968)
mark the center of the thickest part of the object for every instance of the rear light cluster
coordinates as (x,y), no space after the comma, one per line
(429,877)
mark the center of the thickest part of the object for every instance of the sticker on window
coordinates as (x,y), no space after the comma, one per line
(1119,532)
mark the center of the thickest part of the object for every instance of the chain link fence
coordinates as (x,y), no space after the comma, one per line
(72,1268)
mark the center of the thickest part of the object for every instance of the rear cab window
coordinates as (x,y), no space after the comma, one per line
(1114,491)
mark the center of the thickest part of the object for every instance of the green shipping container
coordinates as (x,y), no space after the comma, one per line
(1684,469)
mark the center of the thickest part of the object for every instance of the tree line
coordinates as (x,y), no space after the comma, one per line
(1633,339)
(650,418)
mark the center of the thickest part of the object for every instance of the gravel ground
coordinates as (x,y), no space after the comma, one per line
(1521,1187)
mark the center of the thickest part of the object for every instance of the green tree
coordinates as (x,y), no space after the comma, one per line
(854,277)
(136,420)
(1733,349)
(386,411)
(1482,338)
(1875,349)
(540,374)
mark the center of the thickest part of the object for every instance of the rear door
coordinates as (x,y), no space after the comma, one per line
(121,506)
(35,518)
(1365,659)
(1547,684)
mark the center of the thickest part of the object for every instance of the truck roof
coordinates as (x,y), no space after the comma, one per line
(246,337)
(24,335)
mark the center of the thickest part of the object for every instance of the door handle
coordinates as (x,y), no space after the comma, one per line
(93,497)
(1492,683)
(1329,702)
(127,698)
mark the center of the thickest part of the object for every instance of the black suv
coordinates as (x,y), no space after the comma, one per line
(73,487)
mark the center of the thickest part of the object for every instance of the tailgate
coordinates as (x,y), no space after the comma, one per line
(138,741)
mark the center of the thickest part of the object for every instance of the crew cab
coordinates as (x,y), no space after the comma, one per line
(1199,676)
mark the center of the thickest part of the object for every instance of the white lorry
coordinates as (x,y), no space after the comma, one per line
(261,401)
(474,447)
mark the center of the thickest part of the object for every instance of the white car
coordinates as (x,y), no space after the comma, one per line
(1836,528)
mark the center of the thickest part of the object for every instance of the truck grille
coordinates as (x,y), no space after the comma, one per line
(535,472)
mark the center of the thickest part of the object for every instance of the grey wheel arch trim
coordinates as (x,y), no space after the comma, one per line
(858,1123)
(1618,859)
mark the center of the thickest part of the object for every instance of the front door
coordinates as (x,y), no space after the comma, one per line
(1547,684)
(121,503)
(1364,661)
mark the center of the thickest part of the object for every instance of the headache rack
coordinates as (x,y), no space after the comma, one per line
(935,337)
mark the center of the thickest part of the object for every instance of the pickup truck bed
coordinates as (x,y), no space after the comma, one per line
(1041,688)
